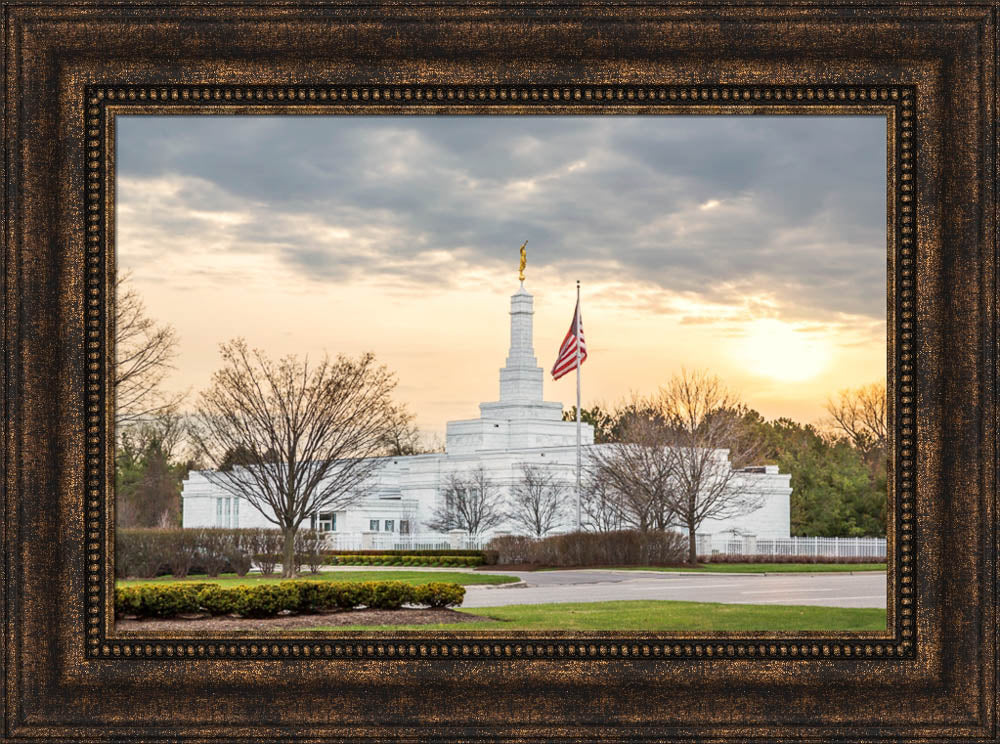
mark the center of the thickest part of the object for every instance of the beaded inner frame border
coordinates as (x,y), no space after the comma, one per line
(897,103)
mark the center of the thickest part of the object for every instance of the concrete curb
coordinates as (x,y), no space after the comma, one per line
(510,585)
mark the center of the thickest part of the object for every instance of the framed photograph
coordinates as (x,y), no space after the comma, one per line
(389,473)
(298,446)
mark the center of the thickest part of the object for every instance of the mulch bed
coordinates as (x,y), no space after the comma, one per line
(200,623)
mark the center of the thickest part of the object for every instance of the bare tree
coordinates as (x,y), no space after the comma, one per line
(708,447)
(144,353)
(306,434)
(636,472)
(538,500)
(472,502)
(166,429)
(600,504)
(860,415)
(432,443)
(404,438)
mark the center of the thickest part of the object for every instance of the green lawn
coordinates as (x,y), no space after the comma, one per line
(657,615)
(763,567)
(408,577)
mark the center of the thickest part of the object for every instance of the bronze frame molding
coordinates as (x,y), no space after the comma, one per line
(930,69)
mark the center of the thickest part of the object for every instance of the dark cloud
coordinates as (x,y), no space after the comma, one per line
(799,202)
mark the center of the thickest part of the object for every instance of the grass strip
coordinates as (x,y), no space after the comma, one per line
(658,615)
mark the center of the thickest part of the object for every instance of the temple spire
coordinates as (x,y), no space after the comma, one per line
(521,377)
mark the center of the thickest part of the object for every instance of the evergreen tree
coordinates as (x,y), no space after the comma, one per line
(148,481)
(834,492)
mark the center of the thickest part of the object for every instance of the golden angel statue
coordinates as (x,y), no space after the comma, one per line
(524,261)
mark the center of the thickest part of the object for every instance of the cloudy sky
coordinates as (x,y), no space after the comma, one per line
(751,246)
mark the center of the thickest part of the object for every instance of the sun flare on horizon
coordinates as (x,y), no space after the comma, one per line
(778,350)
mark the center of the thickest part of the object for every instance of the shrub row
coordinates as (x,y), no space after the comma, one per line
(489,556)
(622,548)
(267,600)
(145,553)
(737,558)
(403,560)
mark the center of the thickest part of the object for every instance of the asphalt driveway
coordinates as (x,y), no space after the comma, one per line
(833,589)
(862,589)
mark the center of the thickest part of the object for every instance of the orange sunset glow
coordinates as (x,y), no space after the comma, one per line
(763,261)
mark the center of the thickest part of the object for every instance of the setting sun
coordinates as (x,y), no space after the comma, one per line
(774,349)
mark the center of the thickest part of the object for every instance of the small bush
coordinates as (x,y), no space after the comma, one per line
(239,550)
(217,601)
(309,549)
(141,552)
(389,595)
(350,594)
(438,594)
(128,601)
(267,546)
(161,600)
(265,600)
(181,551)
(211,548)
(315,595)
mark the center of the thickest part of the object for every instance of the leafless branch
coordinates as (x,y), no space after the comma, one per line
(538,500)
(860,415)
(472,502)
(145,351)
(708,447)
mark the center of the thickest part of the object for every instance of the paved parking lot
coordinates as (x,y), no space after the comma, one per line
(863,589)
(831,589)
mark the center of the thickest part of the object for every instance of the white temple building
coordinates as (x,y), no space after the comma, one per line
(521,427)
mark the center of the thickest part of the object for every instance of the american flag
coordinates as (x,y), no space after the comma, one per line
(566,362)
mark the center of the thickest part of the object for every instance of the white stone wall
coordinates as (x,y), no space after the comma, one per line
(413,487)
(773,519)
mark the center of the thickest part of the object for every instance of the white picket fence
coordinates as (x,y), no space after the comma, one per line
(819,547)
(707,545)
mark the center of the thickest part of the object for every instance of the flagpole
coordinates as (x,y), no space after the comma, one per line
(579,521)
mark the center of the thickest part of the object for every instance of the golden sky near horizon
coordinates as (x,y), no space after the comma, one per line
(717,269)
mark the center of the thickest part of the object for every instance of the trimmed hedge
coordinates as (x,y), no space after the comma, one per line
(622,548)
(162,600)
(145,553)
(438,594)
(345,559)
(486,555)
(268,600)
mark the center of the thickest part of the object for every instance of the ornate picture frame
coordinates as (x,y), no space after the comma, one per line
(928,69)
